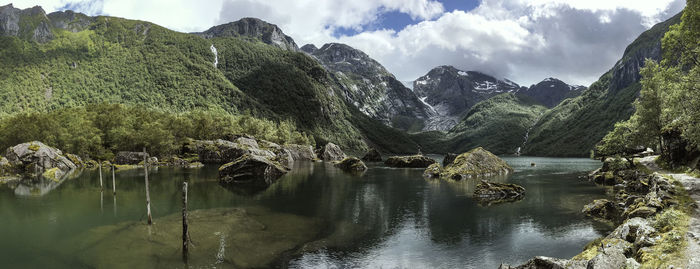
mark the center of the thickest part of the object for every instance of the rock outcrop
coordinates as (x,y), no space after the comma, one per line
(35,158)
(601,208)
(301,152)
(252,171)
(449,159)
(477,162)
(351,165)
(223,151)
(367,85)
(331,152)
(255,29)
(415,161)
(29,24)
(372,155)
(130,157)
(492,193)
(433,171)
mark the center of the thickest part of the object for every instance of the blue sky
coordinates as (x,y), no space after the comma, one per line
(522,40)
(397,20)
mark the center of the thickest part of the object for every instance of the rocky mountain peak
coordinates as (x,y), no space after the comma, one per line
(70,20)
(551,91)
(370,87)
(253,28)
(343,58)
(309,48)
(31,23)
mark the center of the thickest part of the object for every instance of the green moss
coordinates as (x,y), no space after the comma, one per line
(590,250)
(52,174)
(34,147)
(122,167)
(475,163)
(672,226)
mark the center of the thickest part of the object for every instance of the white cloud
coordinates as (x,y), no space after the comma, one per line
(524,40)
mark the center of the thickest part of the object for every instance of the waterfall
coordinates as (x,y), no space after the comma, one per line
(216,55)
(527,135)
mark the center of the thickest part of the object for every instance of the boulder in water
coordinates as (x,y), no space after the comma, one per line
(331,152)
(224,151)
(415,161)
(372,155)
(433,171)
(492,193)
(477,162)
(35,158)
(351,164)
(301,152)
(601,208)
(251,171)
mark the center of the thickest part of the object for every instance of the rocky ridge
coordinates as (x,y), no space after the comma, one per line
(370,87)
(255,29)
(450,93)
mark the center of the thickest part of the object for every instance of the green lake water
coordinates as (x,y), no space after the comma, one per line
(314,217)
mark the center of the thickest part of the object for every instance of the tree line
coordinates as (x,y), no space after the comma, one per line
(98,131)
(667,116)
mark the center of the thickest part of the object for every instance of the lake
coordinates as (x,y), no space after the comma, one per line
(314,217)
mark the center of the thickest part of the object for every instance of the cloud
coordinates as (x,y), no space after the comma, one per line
(523,40)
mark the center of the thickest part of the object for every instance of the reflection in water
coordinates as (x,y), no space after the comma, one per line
(41,186)
(315,216)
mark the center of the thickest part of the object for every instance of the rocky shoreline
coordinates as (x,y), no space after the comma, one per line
(653,212)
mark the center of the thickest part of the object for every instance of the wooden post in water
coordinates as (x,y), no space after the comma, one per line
(185,237)
(148,193)
(100,169)
(114,182)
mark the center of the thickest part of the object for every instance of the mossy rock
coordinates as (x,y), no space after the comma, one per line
(75,159)
(91,164)
(477,162)
(488,193)
(351,165)
(255,173)
(601,208)
(54,174)
(34,147)
(433,171)
(415,161)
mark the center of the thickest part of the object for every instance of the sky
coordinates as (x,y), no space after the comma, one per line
(524,41)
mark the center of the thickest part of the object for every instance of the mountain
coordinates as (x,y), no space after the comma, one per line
(450,92)
(68,59)
(254,28)
(370,87)
(500,124)
(551,91)
(587,118)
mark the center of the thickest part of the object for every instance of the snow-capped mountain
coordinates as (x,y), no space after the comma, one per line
(451,92)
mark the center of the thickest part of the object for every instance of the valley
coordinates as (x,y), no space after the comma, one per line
(385,138)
